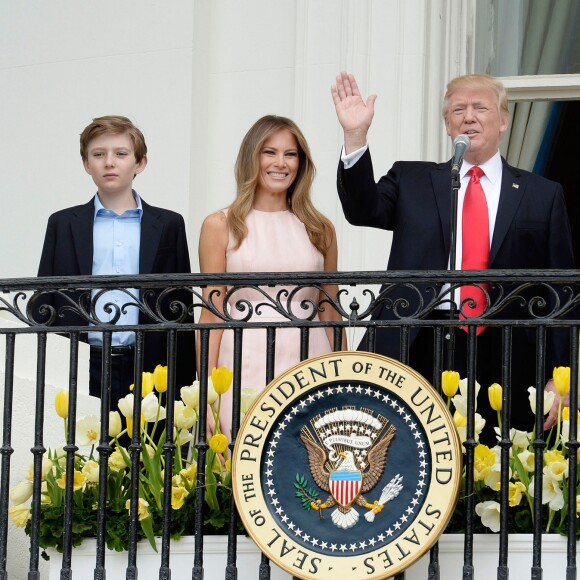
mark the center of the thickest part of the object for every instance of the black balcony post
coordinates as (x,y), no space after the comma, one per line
(231,568)
(104,449)
(505,445)
(38,452)
(539,444)
(304,342)
(70,448)
(470,444)
(571,569)
(135,450)
(433,571)
(6,450)
(202,446)
(264,570)
(169,454)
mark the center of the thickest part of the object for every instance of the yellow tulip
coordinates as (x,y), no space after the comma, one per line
(459,419)
(19,514)
(61,404)
(561,378)
(554,456)
(495,396)
(78,480)
(218,443)
(556,470)
(130,424)
(142,509)
(450,382)
(129,427)
(146,384)
(566,414)
(515,492)
(190,473)
(221,378)
(483,461)
(160,378)
(178,495)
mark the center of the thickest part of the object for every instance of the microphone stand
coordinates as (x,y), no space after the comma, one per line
(455,185)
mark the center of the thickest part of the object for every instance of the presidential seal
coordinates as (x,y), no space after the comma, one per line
(347,466)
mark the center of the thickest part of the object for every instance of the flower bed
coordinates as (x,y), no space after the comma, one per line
(118,470)
(487,466)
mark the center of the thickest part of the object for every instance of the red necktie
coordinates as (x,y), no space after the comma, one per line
(475,243)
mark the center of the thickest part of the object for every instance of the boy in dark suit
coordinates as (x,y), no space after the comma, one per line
(117,233)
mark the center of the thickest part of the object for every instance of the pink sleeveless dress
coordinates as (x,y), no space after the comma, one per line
(276,242)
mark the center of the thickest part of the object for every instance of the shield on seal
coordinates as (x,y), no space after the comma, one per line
(345,486)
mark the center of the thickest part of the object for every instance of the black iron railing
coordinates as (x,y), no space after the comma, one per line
(539,301)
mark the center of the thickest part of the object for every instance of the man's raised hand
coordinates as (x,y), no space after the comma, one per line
(354,114)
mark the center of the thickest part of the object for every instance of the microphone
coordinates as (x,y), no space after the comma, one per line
(461,144)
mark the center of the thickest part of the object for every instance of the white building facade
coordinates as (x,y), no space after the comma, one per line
(195,74)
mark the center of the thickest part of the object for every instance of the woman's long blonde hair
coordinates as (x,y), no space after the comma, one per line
(247,170)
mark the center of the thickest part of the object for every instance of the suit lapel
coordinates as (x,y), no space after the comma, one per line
(441,180)
(511,194)
(151,230)
(82,233)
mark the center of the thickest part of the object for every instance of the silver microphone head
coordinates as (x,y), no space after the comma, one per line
(461,144)
(463,140)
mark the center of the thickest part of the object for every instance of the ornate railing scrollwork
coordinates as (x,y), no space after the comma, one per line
(294,299)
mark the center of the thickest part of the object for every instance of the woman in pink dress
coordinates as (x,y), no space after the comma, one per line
(272,226)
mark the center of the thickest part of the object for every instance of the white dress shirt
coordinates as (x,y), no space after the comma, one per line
(490,182)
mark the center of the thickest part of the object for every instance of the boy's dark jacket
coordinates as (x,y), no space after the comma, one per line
(68,251)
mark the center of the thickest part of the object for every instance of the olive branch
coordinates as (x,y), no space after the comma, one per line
(304,493)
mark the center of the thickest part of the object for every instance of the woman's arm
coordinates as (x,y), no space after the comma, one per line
(329,313)
(213,244)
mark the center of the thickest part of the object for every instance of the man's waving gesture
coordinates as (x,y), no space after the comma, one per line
(353,113)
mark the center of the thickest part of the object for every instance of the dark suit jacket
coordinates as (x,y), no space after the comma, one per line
(68,251)
(413,201)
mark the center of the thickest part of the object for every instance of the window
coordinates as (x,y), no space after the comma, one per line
(534,46)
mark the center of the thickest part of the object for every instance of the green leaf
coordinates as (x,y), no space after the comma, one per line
(522,473)
(211,491)
(147,527)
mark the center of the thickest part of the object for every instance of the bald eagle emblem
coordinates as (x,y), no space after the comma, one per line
(347,454)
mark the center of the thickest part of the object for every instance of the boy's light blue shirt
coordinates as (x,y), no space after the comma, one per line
(116,242)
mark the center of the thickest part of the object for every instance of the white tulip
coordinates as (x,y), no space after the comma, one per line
(115,424)
(151,410)
(548,400)
(88,431)
(247,398)
(21,492)
(489,511)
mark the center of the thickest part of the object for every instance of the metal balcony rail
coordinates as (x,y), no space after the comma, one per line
(539,301)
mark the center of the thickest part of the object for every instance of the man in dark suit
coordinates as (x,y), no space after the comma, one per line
(118,233)
(526,226)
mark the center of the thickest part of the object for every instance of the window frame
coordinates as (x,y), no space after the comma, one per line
(542,87)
